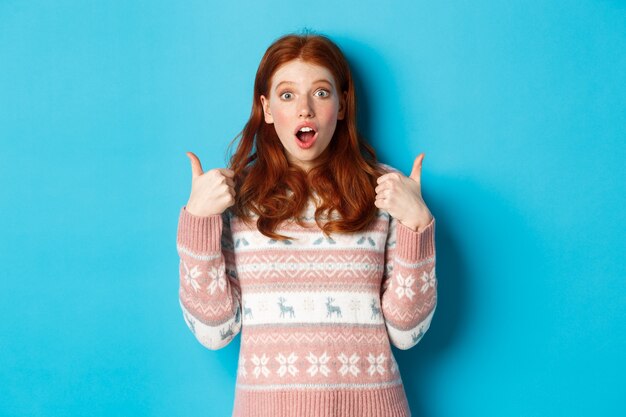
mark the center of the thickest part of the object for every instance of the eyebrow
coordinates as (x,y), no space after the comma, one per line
(322,80)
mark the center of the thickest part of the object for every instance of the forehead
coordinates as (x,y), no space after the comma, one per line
(301,72)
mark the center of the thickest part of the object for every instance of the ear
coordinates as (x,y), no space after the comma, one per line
(342,106)
(266,110)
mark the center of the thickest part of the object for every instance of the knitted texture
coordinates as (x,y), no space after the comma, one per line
(317,315)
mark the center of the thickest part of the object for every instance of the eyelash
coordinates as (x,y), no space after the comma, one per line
(323,89)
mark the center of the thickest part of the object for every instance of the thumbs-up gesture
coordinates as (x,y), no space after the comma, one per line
(212,192)
(401,197)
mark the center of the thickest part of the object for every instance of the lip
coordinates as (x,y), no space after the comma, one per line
(305,124)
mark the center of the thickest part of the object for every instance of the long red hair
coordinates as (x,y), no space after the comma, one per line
(344,179)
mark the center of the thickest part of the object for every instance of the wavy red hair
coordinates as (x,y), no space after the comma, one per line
(345,177)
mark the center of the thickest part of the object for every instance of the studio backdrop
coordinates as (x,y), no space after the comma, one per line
(519,107)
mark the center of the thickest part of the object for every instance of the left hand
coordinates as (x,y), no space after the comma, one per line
(401,197)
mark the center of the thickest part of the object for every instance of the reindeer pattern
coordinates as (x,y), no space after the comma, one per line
(331,309)
(341,306)
(285,308)
(363,309)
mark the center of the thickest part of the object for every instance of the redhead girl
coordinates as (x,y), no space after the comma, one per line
(318,254)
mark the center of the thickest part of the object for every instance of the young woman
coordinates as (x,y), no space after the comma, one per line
(320,256)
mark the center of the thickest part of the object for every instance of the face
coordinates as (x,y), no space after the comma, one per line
(303,93)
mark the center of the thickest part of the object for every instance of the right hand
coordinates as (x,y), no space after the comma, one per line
(212,192)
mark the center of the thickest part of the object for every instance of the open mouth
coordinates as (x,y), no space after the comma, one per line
(306,134)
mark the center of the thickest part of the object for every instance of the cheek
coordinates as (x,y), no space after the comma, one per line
(281,119)
(329,113)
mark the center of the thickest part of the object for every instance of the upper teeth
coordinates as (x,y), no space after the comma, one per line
(306,129)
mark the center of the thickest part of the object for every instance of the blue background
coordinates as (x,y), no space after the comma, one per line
(519,106)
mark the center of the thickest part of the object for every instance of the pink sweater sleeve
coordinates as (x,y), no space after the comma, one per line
(409,288)
(209,292)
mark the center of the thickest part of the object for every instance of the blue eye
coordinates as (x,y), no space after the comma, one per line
(326,93)
(283,94)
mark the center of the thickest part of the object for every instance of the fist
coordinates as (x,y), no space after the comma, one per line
(401,197)
(212,192)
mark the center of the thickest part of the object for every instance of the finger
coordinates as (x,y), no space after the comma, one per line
(384,177)
(383,194)
(416,172)
(196,166)
(224,187)
(383,186)
(223,179)
(227,172)
(391,176)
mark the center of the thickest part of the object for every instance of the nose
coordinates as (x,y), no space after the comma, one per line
(306,110)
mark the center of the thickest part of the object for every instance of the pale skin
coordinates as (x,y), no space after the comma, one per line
(212,192)
(303,97)
(303,92)
(401,197)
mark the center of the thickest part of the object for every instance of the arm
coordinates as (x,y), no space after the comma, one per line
(409,287)
(209,292)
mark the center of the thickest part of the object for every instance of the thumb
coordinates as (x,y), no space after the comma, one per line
(196,166)
(416,172)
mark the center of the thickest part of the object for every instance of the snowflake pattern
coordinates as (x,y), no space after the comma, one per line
(309,304)
(349,364)
(260,365)
(263,306)
(404,286)
(287,364)
(429,280)
(190,276)
(355,304)
(376,364)
(218,279)
(318,364)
